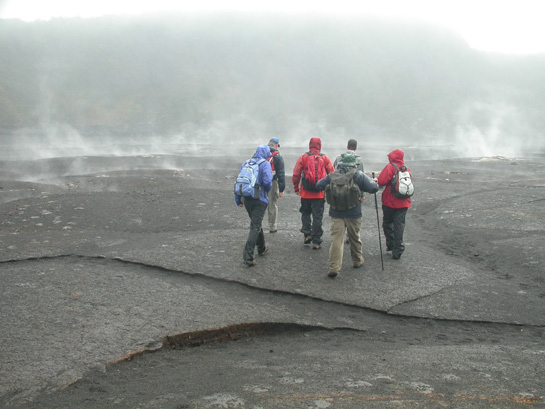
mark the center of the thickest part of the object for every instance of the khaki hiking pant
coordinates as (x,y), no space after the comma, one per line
(338,226)
(273,205)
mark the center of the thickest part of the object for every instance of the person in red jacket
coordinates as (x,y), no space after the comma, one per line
(312,202)
(394,209)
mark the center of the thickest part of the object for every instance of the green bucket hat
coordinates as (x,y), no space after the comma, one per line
(348,160)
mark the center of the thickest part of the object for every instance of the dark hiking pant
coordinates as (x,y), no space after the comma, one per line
(256,210)
(393,225)
(312,215)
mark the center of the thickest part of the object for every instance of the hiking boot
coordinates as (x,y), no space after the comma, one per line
(273,231)
(265,251)
(332,274)
(307,240)
(358,264)
(316,246)
(396,256)
(250,263)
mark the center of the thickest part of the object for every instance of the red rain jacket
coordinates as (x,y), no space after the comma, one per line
(385,178)
(315,147)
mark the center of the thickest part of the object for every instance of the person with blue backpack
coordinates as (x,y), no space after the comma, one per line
(252,192)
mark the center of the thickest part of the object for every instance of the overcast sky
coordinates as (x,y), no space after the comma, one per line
(506,26)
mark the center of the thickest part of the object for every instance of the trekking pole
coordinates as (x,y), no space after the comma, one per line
(378,225)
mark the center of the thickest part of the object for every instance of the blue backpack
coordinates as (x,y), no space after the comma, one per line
(246,184)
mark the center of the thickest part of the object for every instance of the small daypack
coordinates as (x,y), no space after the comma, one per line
(313,171)
(271,161)
(247,180)
(342,193)
(402,182)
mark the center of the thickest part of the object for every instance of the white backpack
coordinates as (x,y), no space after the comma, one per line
(402,182)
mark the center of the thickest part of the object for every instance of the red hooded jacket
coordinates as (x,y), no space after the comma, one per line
(315,147)
(385,178)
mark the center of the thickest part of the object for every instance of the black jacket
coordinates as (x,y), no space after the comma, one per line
(280,172)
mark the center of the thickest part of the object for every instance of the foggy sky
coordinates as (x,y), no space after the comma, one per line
(487,25)
(307,78)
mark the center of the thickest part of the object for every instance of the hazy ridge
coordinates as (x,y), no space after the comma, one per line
(249,77)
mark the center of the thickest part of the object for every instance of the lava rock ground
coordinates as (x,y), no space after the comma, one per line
(122,286)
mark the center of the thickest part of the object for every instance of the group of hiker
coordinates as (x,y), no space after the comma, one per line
(317,180)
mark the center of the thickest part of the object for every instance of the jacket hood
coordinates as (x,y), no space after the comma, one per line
(315,144)
(397,156)
(348,160)
(262,152)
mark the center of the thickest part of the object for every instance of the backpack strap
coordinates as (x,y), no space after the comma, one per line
(271,158)
(399,168)
(394,177)
(252,161)
(271,161)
